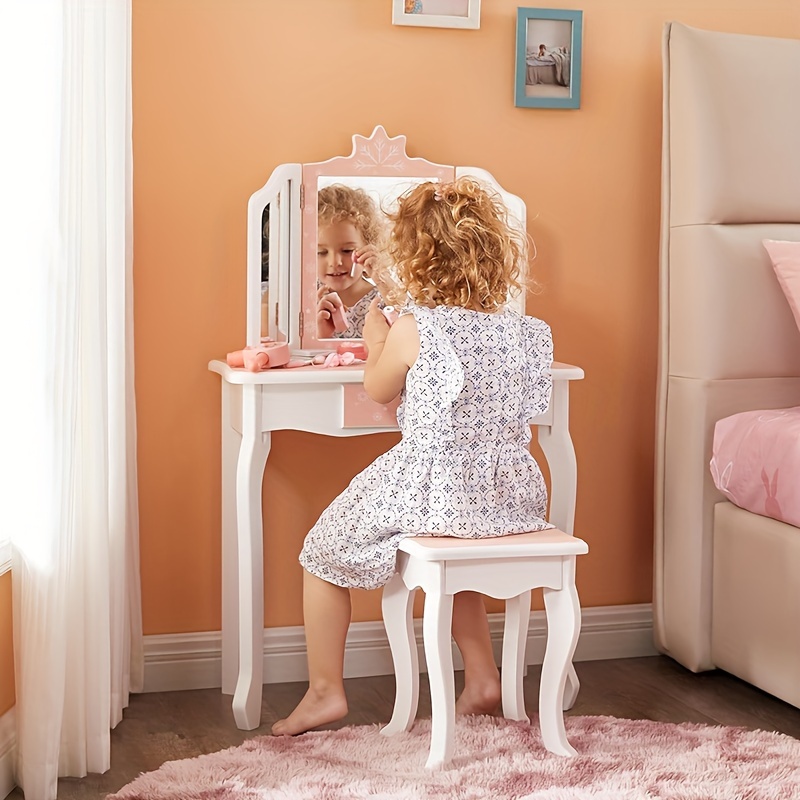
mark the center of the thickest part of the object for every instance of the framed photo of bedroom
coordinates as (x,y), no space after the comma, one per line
(437,13)
(548,58)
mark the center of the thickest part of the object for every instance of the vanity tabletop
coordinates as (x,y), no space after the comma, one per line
(312,373)
(351,374)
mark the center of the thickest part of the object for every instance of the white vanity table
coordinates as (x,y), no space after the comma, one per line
(327,401)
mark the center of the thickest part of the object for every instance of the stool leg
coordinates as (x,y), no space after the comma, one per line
(397,606)
(563,626)
(437,623)
(515,637)
(571,689)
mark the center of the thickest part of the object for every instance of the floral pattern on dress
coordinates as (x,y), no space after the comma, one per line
(463,466)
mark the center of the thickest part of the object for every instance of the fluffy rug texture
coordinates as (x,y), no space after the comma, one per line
(619,760)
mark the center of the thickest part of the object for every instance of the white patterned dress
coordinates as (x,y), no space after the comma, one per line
(463,467)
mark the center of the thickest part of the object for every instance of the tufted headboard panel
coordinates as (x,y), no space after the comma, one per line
(733,127)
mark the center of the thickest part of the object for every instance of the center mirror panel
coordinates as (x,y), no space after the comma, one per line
(345,205)
(352,229)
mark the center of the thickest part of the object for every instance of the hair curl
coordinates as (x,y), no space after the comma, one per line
(452,244)
(339,203)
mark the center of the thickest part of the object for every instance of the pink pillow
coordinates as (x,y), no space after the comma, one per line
(785,258)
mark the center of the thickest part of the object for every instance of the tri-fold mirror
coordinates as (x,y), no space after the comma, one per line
(312,228)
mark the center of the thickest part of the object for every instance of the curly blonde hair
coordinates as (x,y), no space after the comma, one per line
(452,244)
(340,203)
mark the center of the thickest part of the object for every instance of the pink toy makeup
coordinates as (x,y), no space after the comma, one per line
(390,313)
(357,348)
(354,269)
(265,356)
(335,359)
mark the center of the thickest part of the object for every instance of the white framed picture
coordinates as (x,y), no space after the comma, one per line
(437,13)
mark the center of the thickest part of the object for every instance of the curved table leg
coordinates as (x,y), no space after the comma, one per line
(556,444)
(249,478)
(231,444)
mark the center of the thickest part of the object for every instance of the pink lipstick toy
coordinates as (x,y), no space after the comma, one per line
(390,313)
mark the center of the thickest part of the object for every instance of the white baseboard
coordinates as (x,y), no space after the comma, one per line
(193,660)
(8,752)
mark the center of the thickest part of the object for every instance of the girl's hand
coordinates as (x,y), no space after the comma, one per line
(368,258)
(376,268)
(376,328)
(327,303)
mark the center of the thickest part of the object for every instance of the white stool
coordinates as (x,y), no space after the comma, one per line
(505,567)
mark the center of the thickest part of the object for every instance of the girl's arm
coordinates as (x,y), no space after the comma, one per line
(392,351)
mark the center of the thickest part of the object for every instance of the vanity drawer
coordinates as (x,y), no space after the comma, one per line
(358,411)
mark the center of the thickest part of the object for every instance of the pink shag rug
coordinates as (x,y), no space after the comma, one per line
(619,760)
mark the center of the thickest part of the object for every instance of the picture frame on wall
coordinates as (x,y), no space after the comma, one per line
(437,13)
(548,58)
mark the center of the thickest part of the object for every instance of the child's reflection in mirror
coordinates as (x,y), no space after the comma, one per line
(350,231)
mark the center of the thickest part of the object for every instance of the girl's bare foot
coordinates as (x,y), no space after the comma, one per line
(315,709)
(482,699)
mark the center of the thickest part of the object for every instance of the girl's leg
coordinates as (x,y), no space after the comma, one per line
(481,693)
(326,615)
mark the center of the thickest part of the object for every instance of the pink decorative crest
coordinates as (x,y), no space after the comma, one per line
(379,151)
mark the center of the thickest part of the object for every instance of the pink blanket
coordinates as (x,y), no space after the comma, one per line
(756,462)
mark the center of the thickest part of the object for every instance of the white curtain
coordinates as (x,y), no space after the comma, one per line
(68,448)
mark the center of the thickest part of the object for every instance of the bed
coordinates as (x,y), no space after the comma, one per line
(553,68)
(727,579)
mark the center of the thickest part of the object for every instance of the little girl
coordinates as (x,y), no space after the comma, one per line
(472,373)
(349,229)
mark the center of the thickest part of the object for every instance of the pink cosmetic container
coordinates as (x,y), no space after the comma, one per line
(265,356)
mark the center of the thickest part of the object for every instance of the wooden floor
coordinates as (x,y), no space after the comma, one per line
(172,725)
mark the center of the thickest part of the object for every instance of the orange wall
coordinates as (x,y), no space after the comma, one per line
(6,646)
(225,90)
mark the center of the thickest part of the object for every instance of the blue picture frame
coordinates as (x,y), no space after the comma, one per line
(548,62)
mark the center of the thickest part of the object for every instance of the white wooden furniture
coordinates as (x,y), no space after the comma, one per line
(281,303)
(254,405)
(508,568)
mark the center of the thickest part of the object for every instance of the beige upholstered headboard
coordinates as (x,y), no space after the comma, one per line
(728,341)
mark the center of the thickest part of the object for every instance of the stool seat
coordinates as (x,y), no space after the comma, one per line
(540,543)
(504,567)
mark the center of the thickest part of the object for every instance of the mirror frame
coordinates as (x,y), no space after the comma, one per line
(375,156)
